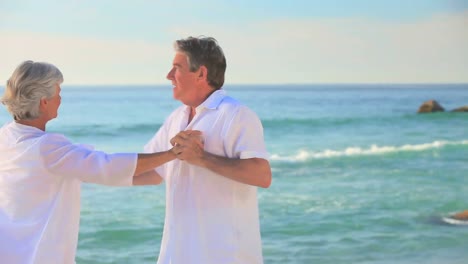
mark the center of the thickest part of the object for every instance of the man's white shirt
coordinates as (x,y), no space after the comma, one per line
(210,218)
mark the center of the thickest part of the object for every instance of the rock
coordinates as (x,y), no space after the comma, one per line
(461,216)
(461,109)
(430,106)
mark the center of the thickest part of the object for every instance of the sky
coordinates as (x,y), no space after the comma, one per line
(97,42)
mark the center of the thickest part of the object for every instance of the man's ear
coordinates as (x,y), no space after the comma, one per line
(202,73)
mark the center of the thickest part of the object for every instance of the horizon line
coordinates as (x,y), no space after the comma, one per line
(281,84)
(269,84)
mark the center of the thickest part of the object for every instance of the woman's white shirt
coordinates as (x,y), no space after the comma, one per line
(40,177)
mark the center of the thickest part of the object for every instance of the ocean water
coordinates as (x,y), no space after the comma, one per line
(358,176)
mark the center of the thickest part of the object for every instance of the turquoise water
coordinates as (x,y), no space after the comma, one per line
(359,177)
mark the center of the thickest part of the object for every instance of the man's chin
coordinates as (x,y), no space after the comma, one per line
(174,94)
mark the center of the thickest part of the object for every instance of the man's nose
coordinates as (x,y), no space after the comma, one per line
(170,74)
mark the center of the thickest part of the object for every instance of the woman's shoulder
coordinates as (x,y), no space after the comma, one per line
(53,140)
(55,137)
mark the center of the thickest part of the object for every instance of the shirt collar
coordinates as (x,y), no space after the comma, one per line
(212,102)
(25,128)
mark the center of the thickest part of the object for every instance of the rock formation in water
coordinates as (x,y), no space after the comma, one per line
(430,107)
(461,216)
(461,109)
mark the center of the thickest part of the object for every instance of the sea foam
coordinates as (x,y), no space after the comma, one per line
(304,155)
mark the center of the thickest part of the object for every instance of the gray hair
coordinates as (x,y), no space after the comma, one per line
(29,83)
(204,51)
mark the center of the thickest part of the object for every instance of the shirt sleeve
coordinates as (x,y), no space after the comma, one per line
(244,136)
(63,158)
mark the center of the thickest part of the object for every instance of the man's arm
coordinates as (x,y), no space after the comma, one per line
(253,171)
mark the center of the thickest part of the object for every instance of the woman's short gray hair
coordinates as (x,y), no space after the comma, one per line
(29,83)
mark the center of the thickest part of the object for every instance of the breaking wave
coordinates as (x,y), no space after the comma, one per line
(304,155)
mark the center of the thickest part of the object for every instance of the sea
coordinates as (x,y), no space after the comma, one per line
(358,175)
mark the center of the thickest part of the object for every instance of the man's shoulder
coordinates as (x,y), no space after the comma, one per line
(234,106)
(230,103)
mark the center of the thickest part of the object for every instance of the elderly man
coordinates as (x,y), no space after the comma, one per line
(211,190)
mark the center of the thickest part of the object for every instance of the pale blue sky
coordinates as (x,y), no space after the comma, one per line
(130,42)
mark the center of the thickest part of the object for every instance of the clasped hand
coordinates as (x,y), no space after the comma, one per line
(189,146)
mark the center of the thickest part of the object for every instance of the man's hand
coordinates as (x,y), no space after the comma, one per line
(189,146)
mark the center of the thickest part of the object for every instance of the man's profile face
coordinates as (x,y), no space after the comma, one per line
(183,80)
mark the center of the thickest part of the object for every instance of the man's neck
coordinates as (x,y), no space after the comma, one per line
(193,112)
(193,109)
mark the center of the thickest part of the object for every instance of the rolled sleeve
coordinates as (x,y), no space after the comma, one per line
(254,154)
(244,136)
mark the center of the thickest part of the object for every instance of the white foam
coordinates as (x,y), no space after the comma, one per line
(304,155)
(453,221)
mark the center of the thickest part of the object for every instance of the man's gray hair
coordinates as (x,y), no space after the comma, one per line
(29,83)
(207,52)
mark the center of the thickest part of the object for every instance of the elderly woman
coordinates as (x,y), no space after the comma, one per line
(40,172)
